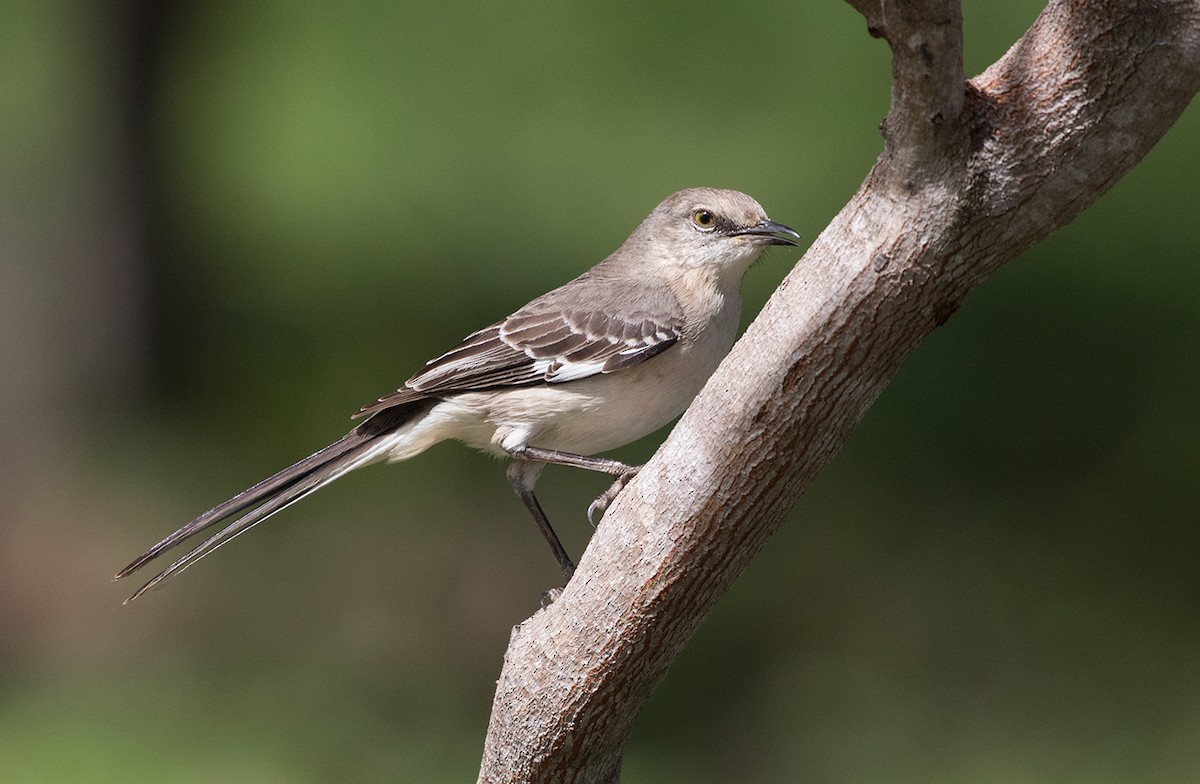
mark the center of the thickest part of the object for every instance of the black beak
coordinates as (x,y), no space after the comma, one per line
(770,233)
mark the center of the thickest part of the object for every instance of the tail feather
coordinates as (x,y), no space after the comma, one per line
(357,448)
(275,484)
(279,501)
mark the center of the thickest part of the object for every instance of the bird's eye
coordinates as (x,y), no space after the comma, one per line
(704,219)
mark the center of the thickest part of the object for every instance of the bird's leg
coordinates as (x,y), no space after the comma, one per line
(560,553)
(602,464)
(523,474)
(605,465)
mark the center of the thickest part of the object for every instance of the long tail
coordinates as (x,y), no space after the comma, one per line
(357,448)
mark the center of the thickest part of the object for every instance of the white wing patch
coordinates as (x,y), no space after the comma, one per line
(539,347)
(557,371)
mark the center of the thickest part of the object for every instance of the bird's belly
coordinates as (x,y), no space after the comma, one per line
(597,413)
(584,416)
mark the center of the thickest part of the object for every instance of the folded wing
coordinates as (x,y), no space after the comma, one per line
(540,344)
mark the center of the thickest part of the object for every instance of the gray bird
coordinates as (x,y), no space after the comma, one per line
(601,361)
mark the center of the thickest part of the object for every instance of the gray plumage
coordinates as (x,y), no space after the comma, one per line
(596,363)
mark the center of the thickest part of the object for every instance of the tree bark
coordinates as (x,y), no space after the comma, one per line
(972,173)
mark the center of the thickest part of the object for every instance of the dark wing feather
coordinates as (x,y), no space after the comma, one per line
(544,344)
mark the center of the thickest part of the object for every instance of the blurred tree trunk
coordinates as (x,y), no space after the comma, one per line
(73,215)
(73,228)
(972,173)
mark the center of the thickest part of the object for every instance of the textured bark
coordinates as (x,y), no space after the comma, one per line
(972,173)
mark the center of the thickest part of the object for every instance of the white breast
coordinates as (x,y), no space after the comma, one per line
(587,415)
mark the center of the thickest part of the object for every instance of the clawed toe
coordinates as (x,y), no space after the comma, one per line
(600,505)
(597,507)
(550,596)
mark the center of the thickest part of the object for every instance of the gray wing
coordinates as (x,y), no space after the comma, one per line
(544,344)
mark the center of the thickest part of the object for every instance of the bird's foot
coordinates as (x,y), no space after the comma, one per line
(549,597)
(598,506)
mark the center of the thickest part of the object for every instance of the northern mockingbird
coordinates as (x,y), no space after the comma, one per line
(599,362)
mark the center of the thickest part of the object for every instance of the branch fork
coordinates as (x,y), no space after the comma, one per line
(971,174)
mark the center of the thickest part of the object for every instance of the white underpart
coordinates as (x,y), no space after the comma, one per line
(593,413)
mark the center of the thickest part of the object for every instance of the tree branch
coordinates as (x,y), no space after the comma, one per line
(972,173)
(925,36)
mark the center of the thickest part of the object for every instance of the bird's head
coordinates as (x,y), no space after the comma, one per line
(710,228)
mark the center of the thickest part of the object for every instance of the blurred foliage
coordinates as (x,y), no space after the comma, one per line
(229,225)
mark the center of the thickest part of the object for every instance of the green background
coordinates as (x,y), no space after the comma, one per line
(225,226)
